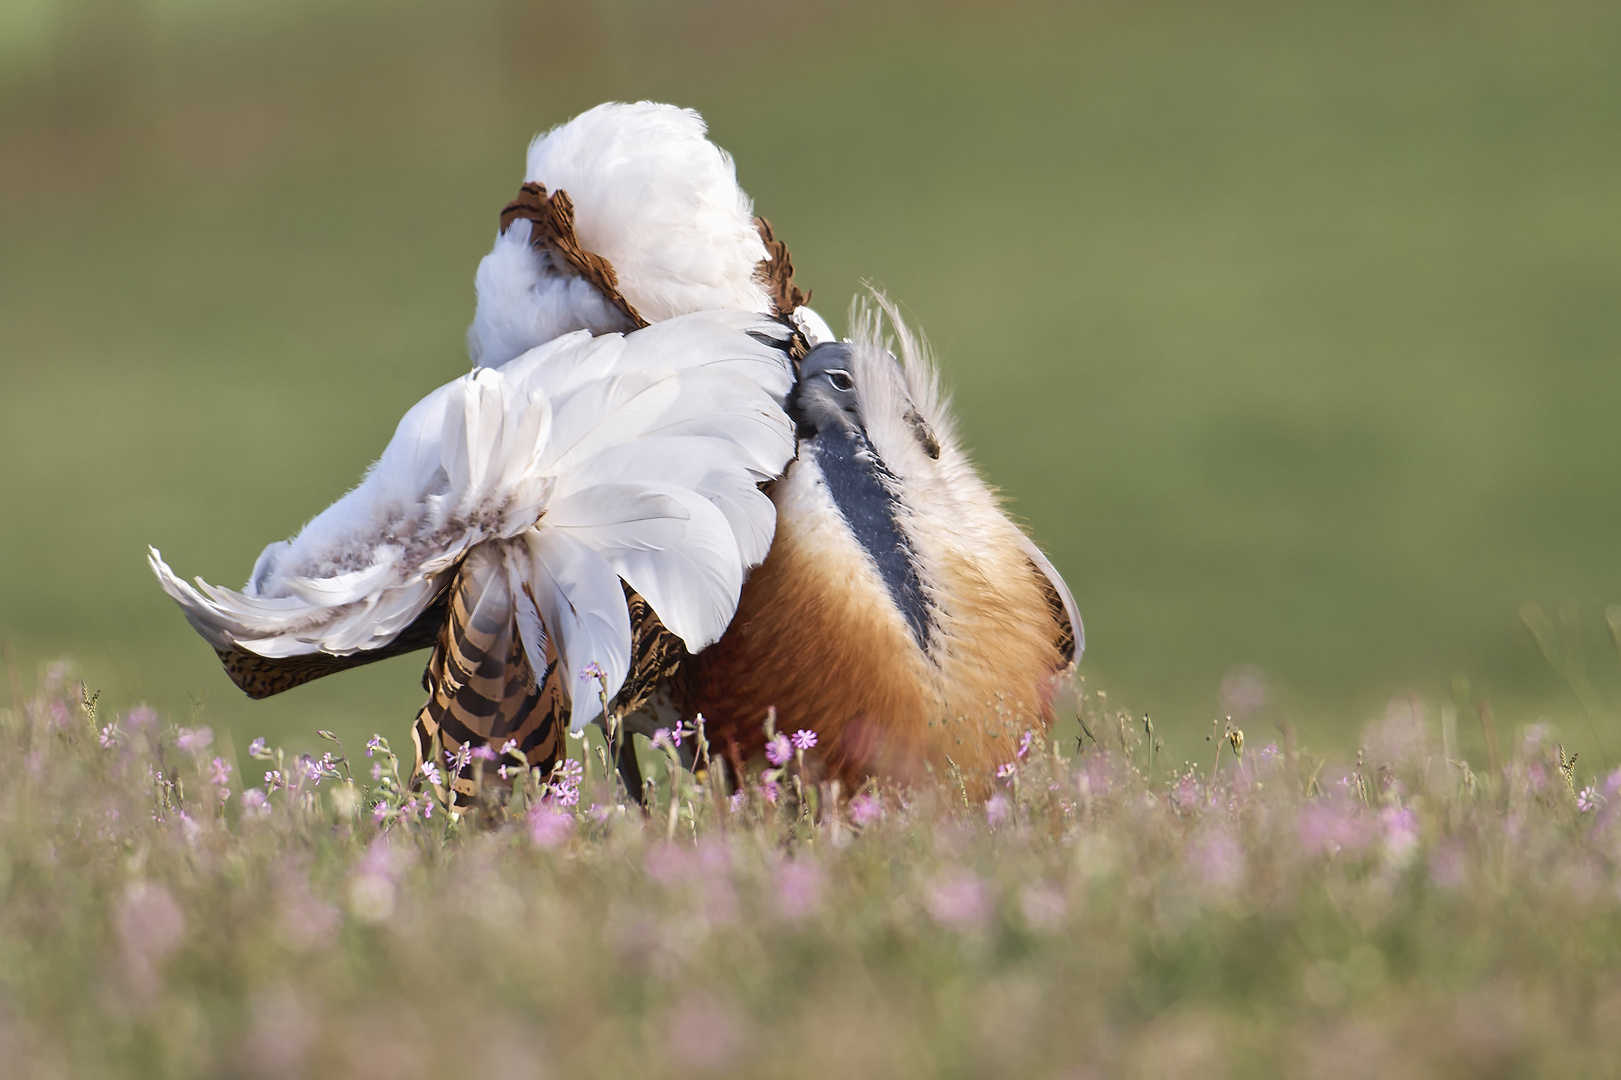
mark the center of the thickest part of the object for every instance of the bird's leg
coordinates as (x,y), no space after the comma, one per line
(630,771)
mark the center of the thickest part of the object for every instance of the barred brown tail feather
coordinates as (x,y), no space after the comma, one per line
(482,690)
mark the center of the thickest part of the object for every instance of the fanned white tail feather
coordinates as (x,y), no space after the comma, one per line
(584,461)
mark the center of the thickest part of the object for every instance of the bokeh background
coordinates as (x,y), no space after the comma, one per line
(1291,330)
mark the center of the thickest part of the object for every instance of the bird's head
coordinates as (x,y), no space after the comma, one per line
(859,390)
(825,396)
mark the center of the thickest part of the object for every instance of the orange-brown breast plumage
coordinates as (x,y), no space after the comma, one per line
(814,641)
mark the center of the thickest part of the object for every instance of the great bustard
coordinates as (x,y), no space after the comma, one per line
(541,515)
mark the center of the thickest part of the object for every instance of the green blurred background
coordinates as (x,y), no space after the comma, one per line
(1291,329)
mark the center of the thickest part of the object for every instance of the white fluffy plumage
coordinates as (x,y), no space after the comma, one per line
(581,462)
(654,197)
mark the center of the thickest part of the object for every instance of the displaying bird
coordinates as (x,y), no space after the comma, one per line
(900,615)
(592,496)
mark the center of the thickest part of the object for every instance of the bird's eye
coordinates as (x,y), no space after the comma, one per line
(841,380)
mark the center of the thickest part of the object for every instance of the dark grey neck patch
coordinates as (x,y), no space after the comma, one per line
(855,477)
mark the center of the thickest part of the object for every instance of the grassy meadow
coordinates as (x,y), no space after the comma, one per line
(169,908)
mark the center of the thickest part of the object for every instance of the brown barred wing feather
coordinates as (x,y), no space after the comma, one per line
(658,659)
(265,676)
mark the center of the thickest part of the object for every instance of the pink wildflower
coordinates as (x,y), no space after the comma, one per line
(304,920)
(1589,799)
(256,749)
(373,745)
(1326,828)
(194,739)
(142,716)
(866,808)
(1219,861)
(220,772)
(1007,771)
(957,900)
(150,926)
(662,739)
(670,864)
(254,802)
(188,827)
(549,826)
(318,769)
(998,809)
(804,739)
(372,888)
(1400,828)
(565,787)
(799,888)
(593,670)
(737,801)
(768,791)
(484,753)
(430,773)
(1185,796)
(1024,743)
(778,750)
